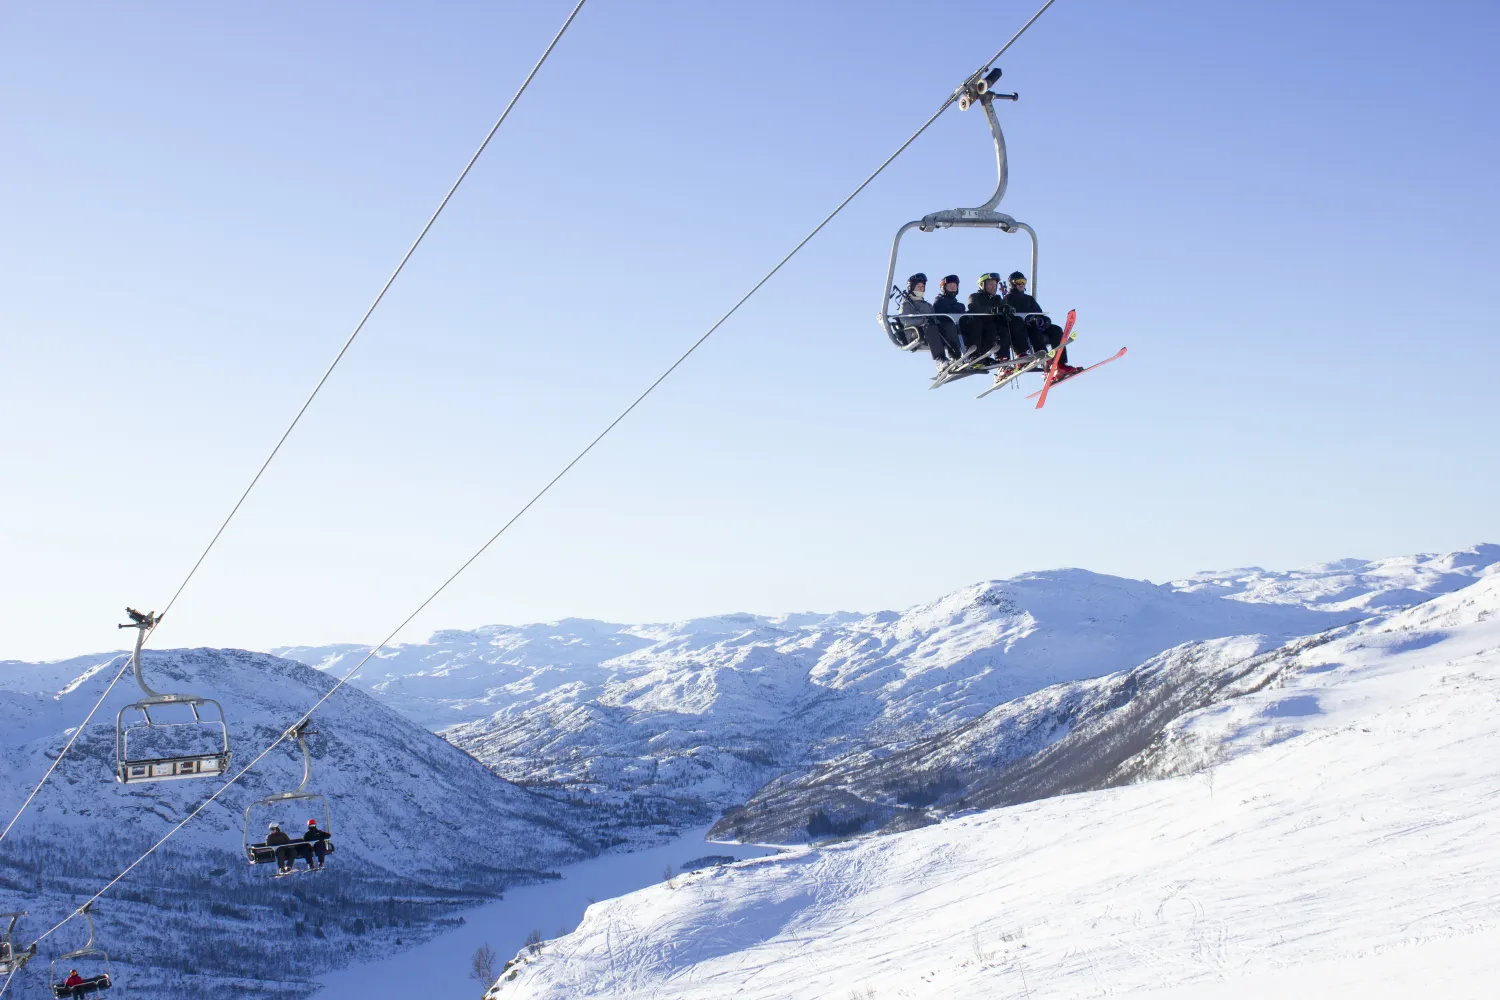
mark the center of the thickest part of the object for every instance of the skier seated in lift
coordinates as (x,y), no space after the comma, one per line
(935,333)
(1037,329)
(945,305)
(986,327)
(287,852)
(77,986)
(317,841)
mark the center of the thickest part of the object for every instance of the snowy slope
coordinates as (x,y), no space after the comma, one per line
(1350,809)
(413,818)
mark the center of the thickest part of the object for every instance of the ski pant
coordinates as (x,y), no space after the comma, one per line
(981,333)
(1036,333)
(287,855)
(942,338)
(320,850)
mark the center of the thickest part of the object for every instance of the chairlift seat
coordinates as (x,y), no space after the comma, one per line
(92,984)
(168,768)
(259,854)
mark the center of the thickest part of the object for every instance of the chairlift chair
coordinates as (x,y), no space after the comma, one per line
(977,89)
(12,957)
(262,852)
(91,984)
(208,715)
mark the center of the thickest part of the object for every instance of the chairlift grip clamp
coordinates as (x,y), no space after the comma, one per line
(148,620)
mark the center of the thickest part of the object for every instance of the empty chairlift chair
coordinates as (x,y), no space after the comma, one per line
(12,956)
(136,721)
(89,958)
(287,854)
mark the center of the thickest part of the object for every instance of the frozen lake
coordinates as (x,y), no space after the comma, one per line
(440,967)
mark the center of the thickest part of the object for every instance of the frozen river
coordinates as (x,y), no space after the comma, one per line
(439,968)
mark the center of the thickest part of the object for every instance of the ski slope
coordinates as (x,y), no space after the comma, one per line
(1345,835)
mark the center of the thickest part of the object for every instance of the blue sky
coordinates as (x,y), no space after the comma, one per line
(1287,213)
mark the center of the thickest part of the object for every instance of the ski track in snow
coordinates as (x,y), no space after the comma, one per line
(1347,836)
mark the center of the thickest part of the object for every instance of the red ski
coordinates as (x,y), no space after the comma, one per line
(1069,378)
(1056,360)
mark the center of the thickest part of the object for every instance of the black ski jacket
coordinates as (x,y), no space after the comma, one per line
(1021,302)
(983,302)
(278,837)
(947,304)
(313,834)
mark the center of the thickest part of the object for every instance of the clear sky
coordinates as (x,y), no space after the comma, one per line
(1286,209)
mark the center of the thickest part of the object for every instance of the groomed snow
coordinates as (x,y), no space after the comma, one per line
(1347,837)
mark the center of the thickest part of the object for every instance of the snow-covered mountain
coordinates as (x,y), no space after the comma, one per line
(675,722)
(420,828)
(998,693)
(698,720)
(1352,584)
(1338,800)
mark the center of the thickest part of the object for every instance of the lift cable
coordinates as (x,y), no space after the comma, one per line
(316,389)
(553,481)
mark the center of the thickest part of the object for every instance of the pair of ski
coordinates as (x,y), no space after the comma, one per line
(1052,363)
(296,871)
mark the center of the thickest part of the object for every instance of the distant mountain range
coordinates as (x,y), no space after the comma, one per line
(676,722)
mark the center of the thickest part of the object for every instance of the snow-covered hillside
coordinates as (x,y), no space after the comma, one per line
(420,829)
(675,722)
(1345,804)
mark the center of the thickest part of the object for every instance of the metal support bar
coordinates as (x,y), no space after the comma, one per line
(142,625)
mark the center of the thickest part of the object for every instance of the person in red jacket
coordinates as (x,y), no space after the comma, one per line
(74,979)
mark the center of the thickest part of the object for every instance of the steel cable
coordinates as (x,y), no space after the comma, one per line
(561,473)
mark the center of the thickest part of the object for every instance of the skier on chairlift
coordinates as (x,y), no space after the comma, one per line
(74,979)
(285,857)
(1038,329)
(945,305)
(985,328)
(318,839)
(914,303)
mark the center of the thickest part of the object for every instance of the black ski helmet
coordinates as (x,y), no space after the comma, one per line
(951,279)
(1016,274)
(917,279)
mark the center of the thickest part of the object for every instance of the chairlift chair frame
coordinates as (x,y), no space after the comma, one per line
(261,853)
(11,959)
(93,983)
(977,89)
(134,770)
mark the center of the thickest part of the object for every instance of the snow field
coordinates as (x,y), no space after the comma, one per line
(1350,824)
